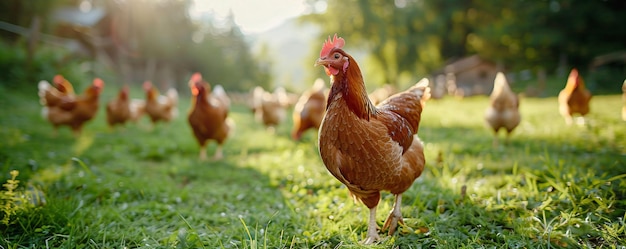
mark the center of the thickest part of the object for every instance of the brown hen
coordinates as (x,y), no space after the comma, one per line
(274,108)
(309,110)
(574,98)
(370,148)
(208,116)
(160,107)
(118,109)
(502,112)
(72,111)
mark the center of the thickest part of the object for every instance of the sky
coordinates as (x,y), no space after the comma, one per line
(252,16)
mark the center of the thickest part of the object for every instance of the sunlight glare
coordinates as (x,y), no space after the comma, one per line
(85,6)
(251,16)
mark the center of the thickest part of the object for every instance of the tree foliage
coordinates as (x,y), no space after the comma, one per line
(419,36)
(219,52)
(154,40)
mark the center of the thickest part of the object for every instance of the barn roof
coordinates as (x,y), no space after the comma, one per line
(465,64)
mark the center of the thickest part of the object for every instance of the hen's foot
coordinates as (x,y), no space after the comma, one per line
(392,223)
(395,216)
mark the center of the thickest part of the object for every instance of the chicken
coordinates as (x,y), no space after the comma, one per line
(574,98)
(118,109)
(208,116)
(137,109)
(72,111)
(370,148)
(503,111)
(309,110)
(624,99)
(159,107)
(274,107)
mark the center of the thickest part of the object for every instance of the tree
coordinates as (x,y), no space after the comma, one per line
(416,37)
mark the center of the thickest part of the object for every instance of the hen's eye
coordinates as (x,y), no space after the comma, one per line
(337,55)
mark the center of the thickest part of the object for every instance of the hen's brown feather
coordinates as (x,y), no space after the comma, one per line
(574,98)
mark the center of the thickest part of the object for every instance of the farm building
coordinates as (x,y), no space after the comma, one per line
(467,76)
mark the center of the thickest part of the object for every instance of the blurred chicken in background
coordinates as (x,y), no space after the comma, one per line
(160,107)
(274,108)
(123,109)
(574,98)
(208,116)
(118,109)
(503,111)
(73,111)
(309,110)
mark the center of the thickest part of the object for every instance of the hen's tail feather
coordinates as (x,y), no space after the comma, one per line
(422,90)
(409,104)
(172,94)
(43,87)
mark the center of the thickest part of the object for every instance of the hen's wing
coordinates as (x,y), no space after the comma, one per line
(401,113)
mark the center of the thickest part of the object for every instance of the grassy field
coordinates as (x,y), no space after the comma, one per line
(553,186)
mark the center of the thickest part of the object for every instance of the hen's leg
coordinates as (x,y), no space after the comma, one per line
(202,155)
(495,141)
(76,132)
(372,233)
(581,121)
(218,153)
(508,137)
(395,216)
(568,119)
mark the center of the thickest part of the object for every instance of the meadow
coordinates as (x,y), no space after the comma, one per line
(138,186)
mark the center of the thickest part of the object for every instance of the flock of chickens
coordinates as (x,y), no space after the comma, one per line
(369,143)
(503,112)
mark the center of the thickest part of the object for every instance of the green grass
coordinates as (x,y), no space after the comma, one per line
(554,186)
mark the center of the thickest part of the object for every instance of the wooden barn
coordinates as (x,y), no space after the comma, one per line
(467,76)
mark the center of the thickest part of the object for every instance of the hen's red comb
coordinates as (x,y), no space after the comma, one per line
(336,42)
(58,79)
(147,85)
(196,77)
(98,82)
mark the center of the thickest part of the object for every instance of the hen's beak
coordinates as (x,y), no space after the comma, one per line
(321,62)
